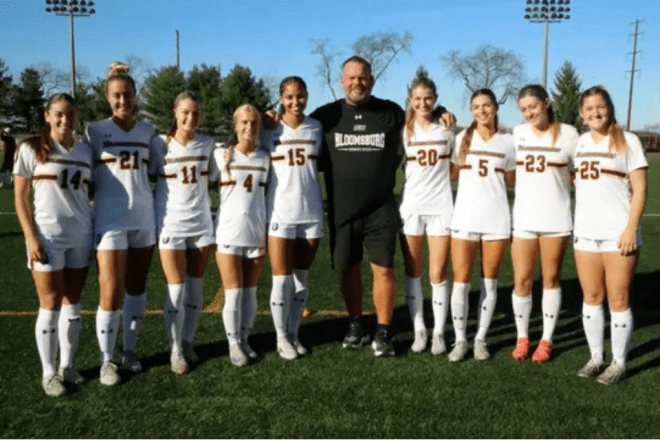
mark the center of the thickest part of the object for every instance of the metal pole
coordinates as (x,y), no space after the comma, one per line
(632,76)
(545,53)
(177,51)
(73,57)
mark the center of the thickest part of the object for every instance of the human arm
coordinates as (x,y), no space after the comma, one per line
(445,117)
(628,240)
(24,212)
(510,178)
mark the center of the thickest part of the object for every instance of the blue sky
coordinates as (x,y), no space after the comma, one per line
(273,39)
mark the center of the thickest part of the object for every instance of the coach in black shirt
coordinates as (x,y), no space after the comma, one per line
(363,146)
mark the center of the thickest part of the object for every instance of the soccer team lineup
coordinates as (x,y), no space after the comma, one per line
(123,190)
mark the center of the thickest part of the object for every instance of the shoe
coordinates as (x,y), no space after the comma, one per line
(53,386)
(543,352)
(521,352)
(356,337)
(189,353)
(302,351)
(612,374)
(179,364)
(237,356)
(481,350)
(592,368)
(109,374)
(419,344)
(438,344)
(130,361)
(248,350)
(71,376)
(382,344)
(458,352)
(286,350)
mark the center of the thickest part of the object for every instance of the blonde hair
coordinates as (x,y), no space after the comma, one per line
(119,71)
(618,142)
(464,148)
(410,111)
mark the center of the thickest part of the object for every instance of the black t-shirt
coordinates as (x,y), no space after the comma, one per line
(10,150)
(362,149)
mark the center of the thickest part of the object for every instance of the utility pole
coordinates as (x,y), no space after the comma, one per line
(633,70)
(178,65)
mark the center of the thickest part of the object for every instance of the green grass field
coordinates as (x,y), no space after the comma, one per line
(334,392)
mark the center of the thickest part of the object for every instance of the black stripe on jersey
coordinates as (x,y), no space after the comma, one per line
(110,144)
(86,182)
(247,168)
(499,170)
(187,159)
(613,172)
(411,157)
(69,162)
(543,149)
(603,155)
(204,173)
(465,167)
(427,143)
(107,160)
(168,176)
(274,158)
(487,153)
(228,183)
(520,163)
(44,177)
(313,156)
(145,161)
(557,164)
(295,142)
(264,184)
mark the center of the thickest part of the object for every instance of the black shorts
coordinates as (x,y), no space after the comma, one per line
(376,231)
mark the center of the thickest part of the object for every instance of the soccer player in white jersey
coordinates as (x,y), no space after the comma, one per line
(610,196)
(124,220)
(295,211)
(426,208)
(541,215)
(58,234)
(484,160)
(241,229)
(184,226)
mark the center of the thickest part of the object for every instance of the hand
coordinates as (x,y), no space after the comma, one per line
(270,118)
(448,120)
(628,241)
(35,251)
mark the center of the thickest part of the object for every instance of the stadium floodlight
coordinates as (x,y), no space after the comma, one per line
(547,13)
(69,8)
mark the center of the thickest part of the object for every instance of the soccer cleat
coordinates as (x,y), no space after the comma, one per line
(179,364)
(521,352)
(458,352)
(612,374)
(382,344)
(481,350)
(438,344)
(543,352)
(189,353)
(109,374)
(237,356)
(286,350)
(53,386)
(248,350)
(71,376)
(419,344)
(592,368)
(130,361)
(302,351)
(356,337)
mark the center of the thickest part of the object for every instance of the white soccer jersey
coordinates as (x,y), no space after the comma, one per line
(121,167)
(62,209)
(427,189)
(543,201)
(183,205)
(242,214)
(481,203)
(294,194)
(602,187)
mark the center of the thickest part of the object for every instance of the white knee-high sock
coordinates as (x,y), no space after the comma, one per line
(593,321)
(280,302)
(301,292)
(231,314)
(487,301)
(107,327)
(459,309)
(193,305)
(621,329)
(133,316)
(522,309)
(248,311)
(440,306)
(173,314)
(551,307)
(45,330)
(69,333)
(415,302)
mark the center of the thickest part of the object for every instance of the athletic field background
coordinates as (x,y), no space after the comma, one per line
(334,392)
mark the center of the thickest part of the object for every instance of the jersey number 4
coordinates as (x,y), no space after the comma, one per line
(74,182)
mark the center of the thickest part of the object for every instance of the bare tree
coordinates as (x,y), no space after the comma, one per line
(491,67)
(56,80)
(324,67)
(141,69)
(381,49)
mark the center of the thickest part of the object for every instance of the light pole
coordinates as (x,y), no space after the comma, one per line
(71,9)
(546,12)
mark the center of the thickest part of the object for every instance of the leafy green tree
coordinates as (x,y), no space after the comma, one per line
(567,95)
(28,101)
(206,82)
(5,91)
(160,90)
(91,100)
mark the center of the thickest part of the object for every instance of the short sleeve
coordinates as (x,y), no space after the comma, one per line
(25,162)
(635,157)
(457,142)
(510,159)
(214,171)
